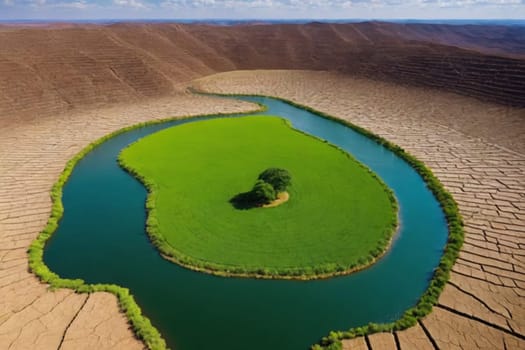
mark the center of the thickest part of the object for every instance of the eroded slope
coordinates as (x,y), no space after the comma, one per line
(50,70)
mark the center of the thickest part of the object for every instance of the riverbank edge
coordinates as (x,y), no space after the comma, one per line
(451,251)
(325,271)
(140,324)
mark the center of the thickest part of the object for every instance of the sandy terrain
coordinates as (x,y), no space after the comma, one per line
(282,197)
(476,149)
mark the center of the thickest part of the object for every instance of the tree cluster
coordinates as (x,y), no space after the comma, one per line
(268,185)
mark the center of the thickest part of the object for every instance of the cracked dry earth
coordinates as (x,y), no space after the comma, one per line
(476,149)
(32,155)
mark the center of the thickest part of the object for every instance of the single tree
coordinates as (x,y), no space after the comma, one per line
(280,179)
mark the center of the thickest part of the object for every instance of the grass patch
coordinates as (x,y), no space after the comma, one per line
(340,216)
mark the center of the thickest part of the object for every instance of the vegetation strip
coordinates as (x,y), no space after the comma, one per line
(181,215)
(442,272)
(150,335)
(141,325)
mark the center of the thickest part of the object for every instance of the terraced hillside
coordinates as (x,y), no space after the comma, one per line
(56,68)
(502,40)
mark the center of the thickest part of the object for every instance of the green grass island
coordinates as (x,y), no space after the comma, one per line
(339,217)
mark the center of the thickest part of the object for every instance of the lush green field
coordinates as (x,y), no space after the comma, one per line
(339,215)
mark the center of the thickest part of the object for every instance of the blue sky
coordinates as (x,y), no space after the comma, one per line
(275,9)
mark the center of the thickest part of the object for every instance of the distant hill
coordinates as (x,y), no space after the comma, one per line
(495,39)
(53,68)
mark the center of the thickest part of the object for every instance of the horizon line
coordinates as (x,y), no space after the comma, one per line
(262,19)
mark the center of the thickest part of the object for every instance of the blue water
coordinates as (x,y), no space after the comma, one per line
(101,239)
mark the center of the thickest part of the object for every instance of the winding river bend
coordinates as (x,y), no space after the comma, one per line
(102,239)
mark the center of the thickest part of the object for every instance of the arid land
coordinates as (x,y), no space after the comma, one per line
(460,110)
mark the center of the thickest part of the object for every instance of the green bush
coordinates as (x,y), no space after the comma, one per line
(263,192)
(280,179)
(269,183)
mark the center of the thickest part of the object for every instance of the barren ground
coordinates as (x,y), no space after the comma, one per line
(476,149)
(54,69)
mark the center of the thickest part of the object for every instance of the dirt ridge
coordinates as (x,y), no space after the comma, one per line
(52,70)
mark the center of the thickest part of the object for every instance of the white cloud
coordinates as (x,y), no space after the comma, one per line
(253,4)
(130,3)
(312,4)
(74,4)
(223,3)
(245,9)
(469,3)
